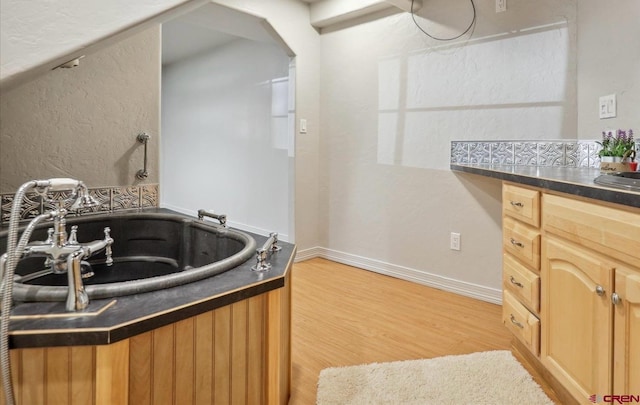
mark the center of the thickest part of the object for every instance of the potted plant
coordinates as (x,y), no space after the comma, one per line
(620,146)
(618,151)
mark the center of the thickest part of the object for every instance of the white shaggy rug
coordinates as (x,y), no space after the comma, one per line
(493,378)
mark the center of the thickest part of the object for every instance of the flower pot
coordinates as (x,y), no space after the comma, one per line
(611,159)
(612,164)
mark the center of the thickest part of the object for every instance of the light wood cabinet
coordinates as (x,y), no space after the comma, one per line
(522,204)
(521,264)
(626,318)
(577,317)
(580,258)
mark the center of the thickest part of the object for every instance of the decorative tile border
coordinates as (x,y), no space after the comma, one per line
(110,199)
(573,153)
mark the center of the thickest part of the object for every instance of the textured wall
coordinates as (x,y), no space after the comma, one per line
(391,102)
(82,122)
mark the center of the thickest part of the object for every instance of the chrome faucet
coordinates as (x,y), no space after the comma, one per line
(65,255)
(63,252)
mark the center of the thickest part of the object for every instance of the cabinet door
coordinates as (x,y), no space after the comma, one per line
(626,373)
(577,319)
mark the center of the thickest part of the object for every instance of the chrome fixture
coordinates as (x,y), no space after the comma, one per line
(144,139)
(270,246)
(222,218)
(63,254)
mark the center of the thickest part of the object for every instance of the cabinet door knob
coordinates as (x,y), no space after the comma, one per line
(516,243)
(615,299)
(518,324)
(516,204)
(600,290)
(514,282)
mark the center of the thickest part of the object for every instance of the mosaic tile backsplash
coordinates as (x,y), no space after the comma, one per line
(110,199)
(573,153)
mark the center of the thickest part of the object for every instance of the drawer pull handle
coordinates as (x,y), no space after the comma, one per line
(518,324)
(615,299)
(600,290)
(516,204)
(514,282)
(516,243)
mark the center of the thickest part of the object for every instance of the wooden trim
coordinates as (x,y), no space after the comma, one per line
(279,344)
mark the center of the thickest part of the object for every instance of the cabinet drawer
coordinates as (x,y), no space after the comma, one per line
(611,231)
(522,204)
(521,241)
(523,283)
(522,323)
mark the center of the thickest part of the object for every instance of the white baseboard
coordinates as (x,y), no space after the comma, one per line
(476,291)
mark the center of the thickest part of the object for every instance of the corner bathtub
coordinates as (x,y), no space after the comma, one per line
(151,251)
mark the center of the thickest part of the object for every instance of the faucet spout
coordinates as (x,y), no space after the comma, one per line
(77,298)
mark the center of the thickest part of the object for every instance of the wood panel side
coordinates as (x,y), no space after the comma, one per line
(163,366)
(112,373)
(58,374)
(185,355)
(83,374)
(33,376)
(204,360)
(239,341)
(222,356)
(256,343)
(140,369)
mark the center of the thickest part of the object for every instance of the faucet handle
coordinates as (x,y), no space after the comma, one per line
(50,232)
(107,249)
(73,237)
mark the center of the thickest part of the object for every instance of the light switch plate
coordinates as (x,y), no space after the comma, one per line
(607,106)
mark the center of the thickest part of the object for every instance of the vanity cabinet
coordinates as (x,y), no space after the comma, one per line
(521,264)
(585,293)
(591,296)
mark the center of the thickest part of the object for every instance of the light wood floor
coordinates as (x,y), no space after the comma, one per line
(346,316)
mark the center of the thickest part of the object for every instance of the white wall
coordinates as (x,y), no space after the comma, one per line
(291,19)
(225,135)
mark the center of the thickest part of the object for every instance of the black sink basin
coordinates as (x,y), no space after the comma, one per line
(624,180)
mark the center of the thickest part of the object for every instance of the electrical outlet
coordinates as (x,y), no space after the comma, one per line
(501,6)
(455,241)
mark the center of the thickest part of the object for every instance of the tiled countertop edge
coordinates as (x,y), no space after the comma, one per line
(592,191)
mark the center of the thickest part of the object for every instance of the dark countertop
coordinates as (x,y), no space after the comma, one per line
(135,314)
(576,181)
